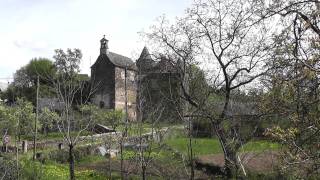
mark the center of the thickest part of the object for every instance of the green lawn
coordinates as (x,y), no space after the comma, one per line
(54,171)
(203,146)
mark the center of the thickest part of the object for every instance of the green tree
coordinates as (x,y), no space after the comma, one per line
(6,123)
(25,80)
(23,113)
(47,119)
(112,118)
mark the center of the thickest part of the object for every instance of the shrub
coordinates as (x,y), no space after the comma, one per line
(202,128)
(8,169)
(62,156)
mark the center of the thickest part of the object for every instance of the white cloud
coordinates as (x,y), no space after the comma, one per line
(34,28)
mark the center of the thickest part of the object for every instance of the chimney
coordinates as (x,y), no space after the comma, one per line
(104,49)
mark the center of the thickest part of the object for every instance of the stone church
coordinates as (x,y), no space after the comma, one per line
(151,85)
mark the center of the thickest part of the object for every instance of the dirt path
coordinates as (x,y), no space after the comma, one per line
(260,162)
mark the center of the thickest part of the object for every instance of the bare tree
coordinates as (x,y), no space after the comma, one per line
(75,115)
(222,35)
(113,119)
(303,17)
(146,143)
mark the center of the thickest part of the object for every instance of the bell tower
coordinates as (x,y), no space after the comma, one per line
(104,49)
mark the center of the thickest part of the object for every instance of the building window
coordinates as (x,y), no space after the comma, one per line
(122,74)
(101,104)
(131,76)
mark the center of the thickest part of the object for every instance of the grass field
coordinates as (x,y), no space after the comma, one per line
(204,146)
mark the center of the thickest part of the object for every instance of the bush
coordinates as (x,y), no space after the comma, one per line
(202,128)
(52,171)
(62,156)
(8,169)
(32,170)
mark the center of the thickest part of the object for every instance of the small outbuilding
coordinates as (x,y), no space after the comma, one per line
(100,129)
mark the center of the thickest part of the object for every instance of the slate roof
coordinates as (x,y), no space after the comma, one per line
(118,60)
(145,54)
(145,63)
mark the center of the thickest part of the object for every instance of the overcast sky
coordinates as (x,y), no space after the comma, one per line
(34,28)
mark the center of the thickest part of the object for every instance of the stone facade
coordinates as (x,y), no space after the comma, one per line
(120,99)
(108,76)
(152,87)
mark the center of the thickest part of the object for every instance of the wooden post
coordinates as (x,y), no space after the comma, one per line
(60,146)
(126,100)
(25,146)
(35,122)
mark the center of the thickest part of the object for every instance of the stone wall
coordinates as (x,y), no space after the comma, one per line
(120,91)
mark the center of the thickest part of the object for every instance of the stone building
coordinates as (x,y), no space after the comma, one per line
(108,75)
(152,86)
(158,89)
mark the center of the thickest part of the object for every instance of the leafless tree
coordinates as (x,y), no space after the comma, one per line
(303,17)
(67,83)
(147,143)
(223,36)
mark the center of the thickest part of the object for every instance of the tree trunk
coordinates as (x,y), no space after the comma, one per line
(71,162)
(121,160)
(231,163)
(109,158)
(230,154)
(109,167)
(191,151)
(143,172)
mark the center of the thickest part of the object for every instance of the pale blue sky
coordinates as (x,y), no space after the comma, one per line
(34,28)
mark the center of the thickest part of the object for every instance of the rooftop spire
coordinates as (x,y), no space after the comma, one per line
(104,45)
(145,54)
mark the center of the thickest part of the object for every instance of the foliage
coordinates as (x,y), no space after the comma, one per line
(61,156)
(7,122)
(18,119)
(47,119)
(52,171)
(42,67)
(111,118)
(8,169)
(293,87)
(132,155)
(25,117)
(25,80)
(67,62)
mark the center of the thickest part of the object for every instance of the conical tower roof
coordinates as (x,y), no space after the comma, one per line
(145,61)
(145,54)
